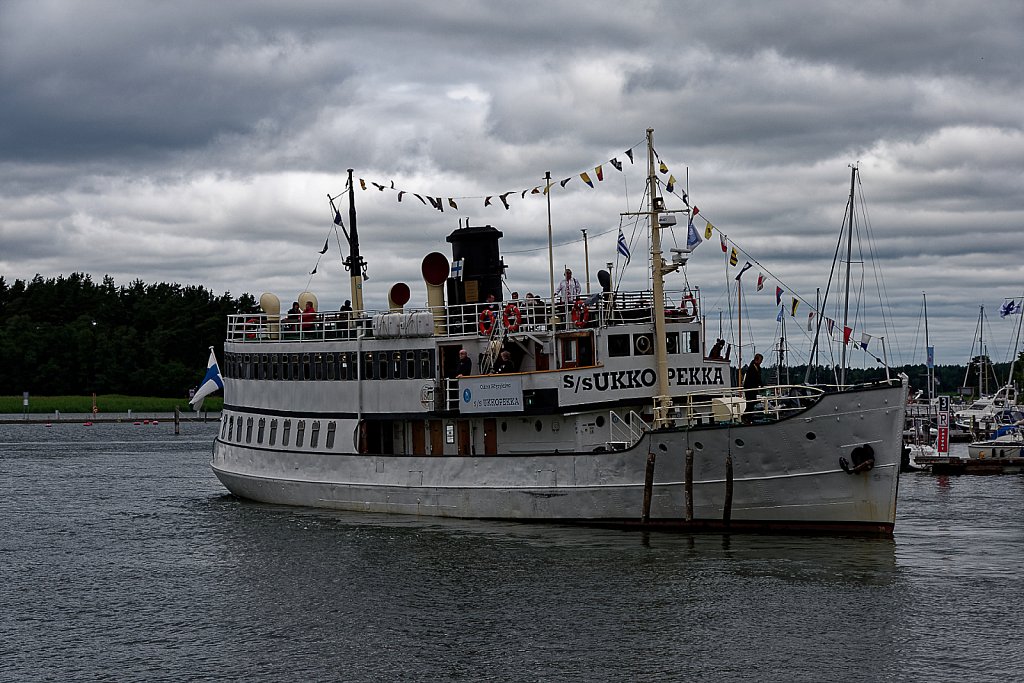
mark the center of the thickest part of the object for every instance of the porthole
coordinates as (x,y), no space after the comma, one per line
(538,426)
(740,443)
(811,436)
(698,445)
(663,448)
(504,426)
(599,421)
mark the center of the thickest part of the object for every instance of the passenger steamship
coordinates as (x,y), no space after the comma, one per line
(613,416)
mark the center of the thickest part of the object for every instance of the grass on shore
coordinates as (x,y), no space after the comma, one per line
(106,403)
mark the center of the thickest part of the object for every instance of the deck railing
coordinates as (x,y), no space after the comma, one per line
(529,315)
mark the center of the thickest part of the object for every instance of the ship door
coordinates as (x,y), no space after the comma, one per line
(436,438)
(576,350)
(490,436)
(464,437)
(419,446)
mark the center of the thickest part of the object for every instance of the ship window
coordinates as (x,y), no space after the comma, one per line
(410,365)
(246,367)
(396,365)
(695,342)
(331,428)
(314,434)
(307,370)
(296,367)
(264,366)
(618,345)
(599,421)
(331,366)
(643,344)
(672,342)
(740,443)
(259,431)
(300,432)
(231,428)
(285,368)
(223,428)
(248,430)
(275,367)
(273,432)
(286,430)
(698,445)
(382,365)
(504,426)
(318,366)
(538,426)
(426,365)
(368,366)
(811,436)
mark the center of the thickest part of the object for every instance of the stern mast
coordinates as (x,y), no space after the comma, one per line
(354,263)
(662,401)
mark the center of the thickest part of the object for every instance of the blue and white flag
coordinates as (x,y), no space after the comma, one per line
(778,318)
(692,237)
(1009,307)
(623,248)
(211,382)
(457,269)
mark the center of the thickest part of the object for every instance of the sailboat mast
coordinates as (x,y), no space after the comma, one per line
(662,401)
(929,366)
(849,256)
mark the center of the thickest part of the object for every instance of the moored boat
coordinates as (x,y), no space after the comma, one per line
(613,412)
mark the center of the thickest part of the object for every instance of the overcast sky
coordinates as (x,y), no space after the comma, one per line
(197,142)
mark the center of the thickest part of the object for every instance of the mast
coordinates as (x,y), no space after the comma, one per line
(846,296)
(354,263)
(662,401)
(551,253)
(929,366)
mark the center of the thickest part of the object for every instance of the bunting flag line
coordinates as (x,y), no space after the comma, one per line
(686,199)
(692,238)
(629,153)
(327,243)
(487,201)
(778,296)
(847,331)
(616,163)
(504,199)
(830,324)
(362,183)
(622,247)
(864,339)
(707,229)
(810,319)
(313,272)
(746,266)
(586,178)
(796,303)
(451,203)
(337,218)
(778,318)
(760,281)
(400,194)
(671,186)
(734,257)
(599,172)
(563,184)
(662,167)
(725,249)
(696,210)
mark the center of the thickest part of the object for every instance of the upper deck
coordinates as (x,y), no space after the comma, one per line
(516,316)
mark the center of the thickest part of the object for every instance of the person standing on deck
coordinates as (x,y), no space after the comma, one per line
(751,383)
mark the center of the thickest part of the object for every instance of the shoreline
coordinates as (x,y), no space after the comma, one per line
(128,418)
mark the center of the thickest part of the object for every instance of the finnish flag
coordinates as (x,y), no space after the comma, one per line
(212,381)
(457,269)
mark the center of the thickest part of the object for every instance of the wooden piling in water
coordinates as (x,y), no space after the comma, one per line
(727,506)
(688,485)
(177,421)
(648,486)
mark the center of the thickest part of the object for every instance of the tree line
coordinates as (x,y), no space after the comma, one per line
(72,336)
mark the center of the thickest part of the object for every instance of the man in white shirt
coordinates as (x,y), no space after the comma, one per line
(568,289)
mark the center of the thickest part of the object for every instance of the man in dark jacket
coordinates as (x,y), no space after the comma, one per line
(751,383)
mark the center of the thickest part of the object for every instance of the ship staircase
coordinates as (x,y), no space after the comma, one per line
(625,432)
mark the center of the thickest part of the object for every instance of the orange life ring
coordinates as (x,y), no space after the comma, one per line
(249,326)
(689,305)
(512,317)
(580,313)
(486,322)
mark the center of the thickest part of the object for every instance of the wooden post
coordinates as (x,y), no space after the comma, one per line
(177,421)
(727,506)
(688,485)
(648,486)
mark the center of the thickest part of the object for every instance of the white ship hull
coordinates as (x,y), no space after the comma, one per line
(785,475)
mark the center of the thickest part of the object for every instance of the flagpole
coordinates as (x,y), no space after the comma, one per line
(739,336)
(586,258)
(551,252)
(354,262)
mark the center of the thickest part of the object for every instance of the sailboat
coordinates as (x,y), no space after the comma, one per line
(920,413)
(613,415)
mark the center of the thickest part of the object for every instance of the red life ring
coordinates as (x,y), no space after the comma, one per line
(689,305)
(512,317)
(580,313)
(250,325)
(486,322)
